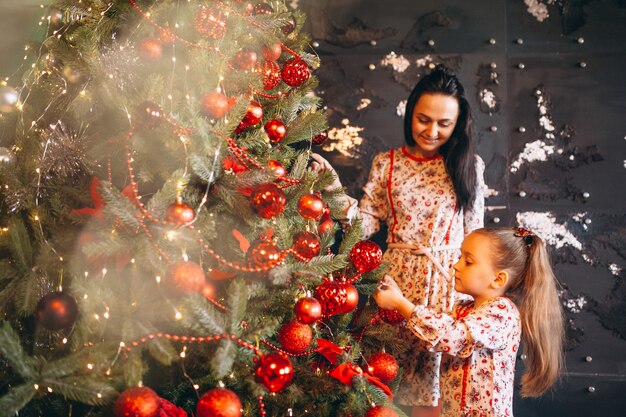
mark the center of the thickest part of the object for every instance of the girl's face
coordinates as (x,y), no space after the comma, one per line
(474,271)
(434,119)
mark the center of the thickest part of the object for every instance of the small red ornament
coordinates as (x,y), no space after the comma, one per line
(208,291)
(254,114)
(271,74)
(276,130)
(150,49)
(383,366)
(149,115)
(325,226)
(381,411)
(274,371)
(308,310)
(137,402)
(56,311)
(290,26)
(352,299)
(214,105)
(272,52)
(390,316)
(321,138)
(366,256)
(295,337)
(262,8)
(180,213)
(245,59)
(262,254)
(185,276)
(332,296)
(219,402)
(268,200)
(311,206)
(295,72)
(306,245)
(277,168)
(210,23)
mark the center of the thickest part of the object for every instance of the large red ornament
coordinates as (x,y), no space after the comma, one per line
(295,337)
(352,299)
(308,310)
(137,402)
(268,200)
(381,411)
(390,316)
(274,371)
(245,59)
(56,311)
(276,130)
(180,213)
(366,256)
(271,74)
(383,366)
(149,115)
(186,276)
(277,168)
(210,23)
(150,49)
(295,72)
(262,254)
(306,245)
(254,114)
(332,296)
(219,402)
(214,105)
(321,138)
(311,206)
(272,52)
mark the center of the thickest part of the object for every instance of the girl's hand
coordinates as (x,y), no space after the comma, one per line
(388,295)
(320,164)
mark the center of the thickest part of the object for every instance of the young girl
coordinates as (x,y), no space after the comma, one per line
(480,337)
(430,194)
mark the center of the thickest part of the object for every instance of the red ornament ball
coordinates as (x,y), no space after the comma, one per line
(381,411)
(56,311)
(277,168)
(219,402)
(262,254)
(352,299)
(180,213)
(306,245)
(214,105)
(253,115)
(311,206)
(276,130)
(268,200)
(274,371)
(332,296)
(137,402)
(245,59)
(271,74)
(295,337)
(326,226)
(149,115)
(262,8)
(321,138)
(272,52)
(295,72)
(150,49)
(210,23)
(390,316)
(308,310)
(186,276)
(366,256)
(383,366)
(290,26)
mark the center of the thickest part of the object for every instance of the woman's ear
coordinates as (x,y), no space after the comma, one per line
(501,280)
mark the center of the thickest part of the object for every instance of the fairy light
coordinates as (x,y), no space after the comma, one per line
(36,386)
(49,390)
(158,279)
(99,395)
(122,344)
(178,316)
(90,366)
(97,317)
(64,341)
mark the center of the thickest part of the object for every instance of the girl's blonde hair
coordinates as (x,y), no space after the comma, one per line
(533,287)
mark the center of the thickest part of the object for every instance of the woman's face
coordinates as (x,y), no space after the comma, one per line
(434,119)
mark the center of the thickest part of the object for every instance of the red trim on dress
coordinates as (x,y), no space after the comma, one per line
(393,210)
(462,312)
(415,158)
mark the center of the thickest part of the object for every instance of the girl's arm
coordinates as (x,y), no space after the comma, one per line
(473,218)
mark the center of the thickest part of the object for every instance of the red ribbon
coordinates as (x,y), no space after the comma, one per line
(329,350)
(346,371)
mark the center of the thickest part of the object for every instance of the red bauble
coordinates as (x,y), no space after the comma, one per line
(295,72)
(150,49)
(262,254)
(149,115)
(306,245)
(308,310)
(262,8)
(219,402)
(290,26)
(381,411)
(56,311)
(271,74)
(137,402)
(295,337)
(366,256)
(186,276)
(208,291)
(352,299)
(210,23)
(276,130)
(383,366)
(311,206)
(272,52)
(180,213)
(254,114)
(277,168)
(268,200)
(245,59)
(214,105)
(274,371)
(332,296)
(321,138)
(325,226)
(390,316)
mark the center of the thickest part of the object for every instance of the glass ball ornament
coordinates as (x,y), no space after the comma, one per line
(274,371)
(137,402)
(308,310)
(219,402)
(268,200)
(56,311)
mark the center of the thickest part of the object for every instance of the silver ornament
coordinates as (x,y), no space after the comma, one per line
(9,99)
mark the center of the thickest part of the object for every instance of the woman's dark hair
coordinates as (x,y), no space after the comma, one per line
(458,152)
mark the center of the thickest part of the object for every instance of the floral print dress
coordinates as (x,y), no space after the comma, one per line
(416,198)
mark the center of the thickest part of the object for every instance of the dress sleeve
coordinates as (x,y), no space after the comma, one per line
(374,206)
(487,327)
(474,217)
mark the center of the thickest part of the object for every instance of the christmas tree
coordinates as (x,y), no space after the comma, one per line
(165,248)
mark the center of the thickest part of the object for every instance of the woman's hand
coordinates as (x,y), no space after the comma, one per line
(388,295)
(320,164)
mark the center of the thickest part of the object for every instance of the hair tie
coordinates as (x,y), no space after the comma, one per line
(527,235)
